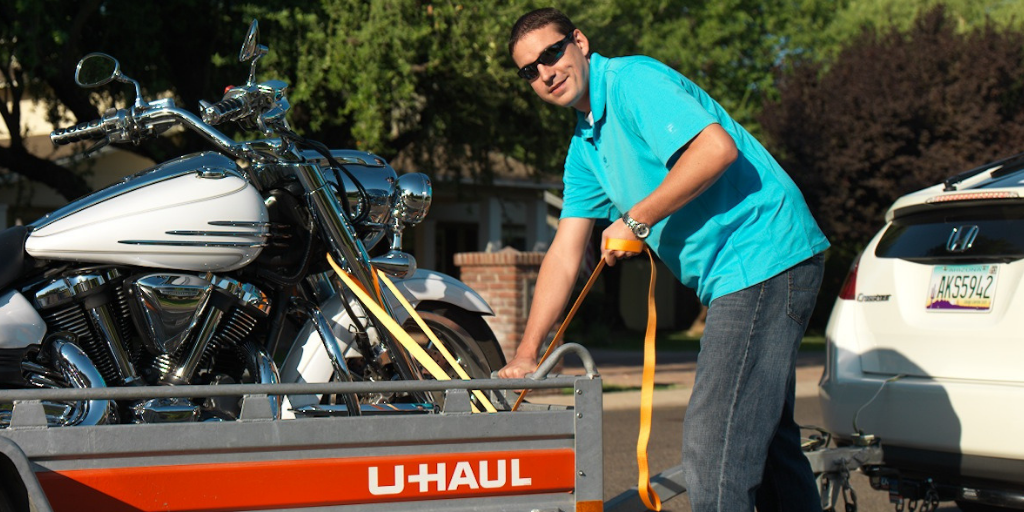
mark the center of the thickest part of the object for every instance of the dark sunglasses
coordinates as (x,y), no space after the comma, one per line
(549,56)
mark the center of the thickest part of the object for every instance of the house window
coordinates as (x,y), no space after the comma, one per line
(452,238)
(514,236)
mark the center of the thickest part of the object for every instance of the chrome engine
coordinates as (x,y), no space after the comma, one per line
(156,328)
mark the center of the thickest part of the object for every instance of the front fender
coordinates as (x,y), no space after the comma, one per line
(430,285)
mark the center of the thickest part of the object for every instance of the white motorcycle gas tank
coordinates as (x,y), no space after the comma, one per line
(196,212)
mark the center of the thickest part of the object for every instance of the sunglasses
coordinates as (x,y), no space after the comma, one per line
(549,56)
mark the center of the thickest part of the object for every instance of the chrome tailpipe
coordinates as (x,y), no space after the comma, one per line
(79,372)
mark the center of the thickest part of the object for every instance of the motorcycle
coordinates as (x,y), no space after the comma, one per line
(202,269)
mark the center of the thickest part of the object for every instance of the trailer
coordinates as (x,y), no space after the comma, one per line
(539,458)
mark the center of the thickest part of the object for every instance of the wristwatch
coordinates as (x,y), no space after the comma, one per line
(640,230)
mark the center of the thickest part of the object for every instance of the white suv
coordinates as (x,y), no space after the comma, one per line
(926,342)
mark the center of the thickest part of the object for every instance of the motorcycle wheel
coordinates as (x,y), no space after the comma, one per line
(466,336)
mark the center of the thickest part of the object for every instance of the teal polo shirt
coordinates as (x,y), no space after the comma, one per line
(750,225)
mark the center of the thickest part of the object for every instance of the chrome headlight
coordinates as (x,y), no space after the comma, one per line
(414,194)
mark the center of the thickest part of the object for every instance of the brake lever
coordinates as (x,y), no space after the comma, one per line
(100,144)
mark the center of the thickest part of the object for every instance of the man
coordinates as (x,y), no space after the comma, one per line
(654,154)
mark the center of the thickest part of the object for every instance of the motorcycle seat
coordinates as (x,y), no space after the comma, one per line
(12,254)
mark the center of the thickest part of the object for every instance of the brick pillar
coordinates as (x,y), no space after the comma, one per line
(505,279)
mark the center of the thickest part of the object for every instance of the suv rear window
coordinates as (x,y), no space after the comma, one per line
(924,236)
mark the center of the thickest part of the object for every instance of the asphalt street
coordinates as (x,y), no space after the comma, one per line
(674,377)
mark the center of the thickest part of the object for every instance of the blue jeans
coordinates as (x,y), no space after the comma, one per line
(741,445)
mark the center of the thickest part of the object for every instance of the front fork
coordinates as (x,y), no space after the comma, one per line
(348,250)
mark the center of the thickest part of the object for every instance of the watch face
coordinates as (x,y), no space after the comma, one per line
(641,231)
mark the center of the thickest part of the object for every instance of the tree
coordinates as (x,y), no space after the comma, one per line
(728,47)
(895,113)
(428,79)
(40,41)
(884,15)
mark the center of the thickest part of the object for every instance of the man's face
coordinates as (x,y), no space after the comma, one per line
(565,83)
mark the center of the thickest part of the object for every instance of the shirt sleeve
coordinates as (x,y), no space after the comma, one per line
(662,105)
(583,196)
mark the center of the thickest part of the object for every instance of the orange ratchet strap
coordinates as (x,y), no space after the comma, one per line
(647,494)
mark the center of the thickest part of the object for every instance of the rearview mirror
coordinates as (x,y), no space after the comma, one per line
(96,69)
(251,47)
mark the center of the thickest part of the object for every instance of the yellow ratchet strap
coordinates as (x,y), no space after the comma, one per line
(414,349)
(647,494)
(433,339)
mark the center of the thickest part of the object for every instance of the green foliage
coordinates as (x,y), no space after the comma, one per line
(728,47)
(897,112)
(893,113)
(884,15)
(428,79)
(431,80)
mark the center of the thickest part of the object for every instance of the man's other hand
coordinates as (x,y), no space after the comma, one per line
(518,368)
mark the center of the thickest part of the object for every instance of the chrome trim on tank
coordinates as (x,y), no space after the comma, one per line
(196,163)
(191,244)
(241,223)
(262,230)
(183,232)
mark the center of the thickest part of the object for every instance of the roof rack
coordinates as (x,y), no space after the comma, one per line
(950,183)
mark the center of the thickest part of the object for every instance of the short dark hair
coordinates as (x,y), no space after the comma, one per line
(538,19)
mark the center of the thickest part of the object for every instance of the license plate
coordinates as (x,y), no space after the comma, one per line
(962,287)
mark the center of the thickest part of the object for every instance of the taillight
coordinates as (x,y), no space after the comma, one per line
(849,289)
(972,196)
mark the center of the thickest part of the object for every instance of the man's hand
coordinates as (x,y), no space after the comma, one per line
(518,367)
(617,231)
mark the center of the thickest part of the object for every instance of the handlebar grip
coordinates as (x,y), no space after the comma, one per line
(223,110)
(91,130)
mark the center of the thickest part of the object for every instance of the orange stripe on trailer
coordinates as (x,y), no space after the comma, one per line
(311,483)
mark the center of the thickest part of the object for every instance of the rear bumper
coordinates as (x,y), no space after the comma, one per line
(969,428)
(978,419)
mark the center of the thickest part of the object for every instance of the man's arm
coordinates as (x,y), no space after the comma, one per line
(702,162)
(554,284)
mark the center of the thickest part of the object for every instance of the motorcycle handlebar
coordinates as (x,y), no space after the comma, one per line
(91,130)
(124,126)
(224,110)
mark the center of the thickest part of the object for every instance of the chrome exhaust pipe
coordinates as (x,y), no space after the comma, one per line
(265,373)
(79,372)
